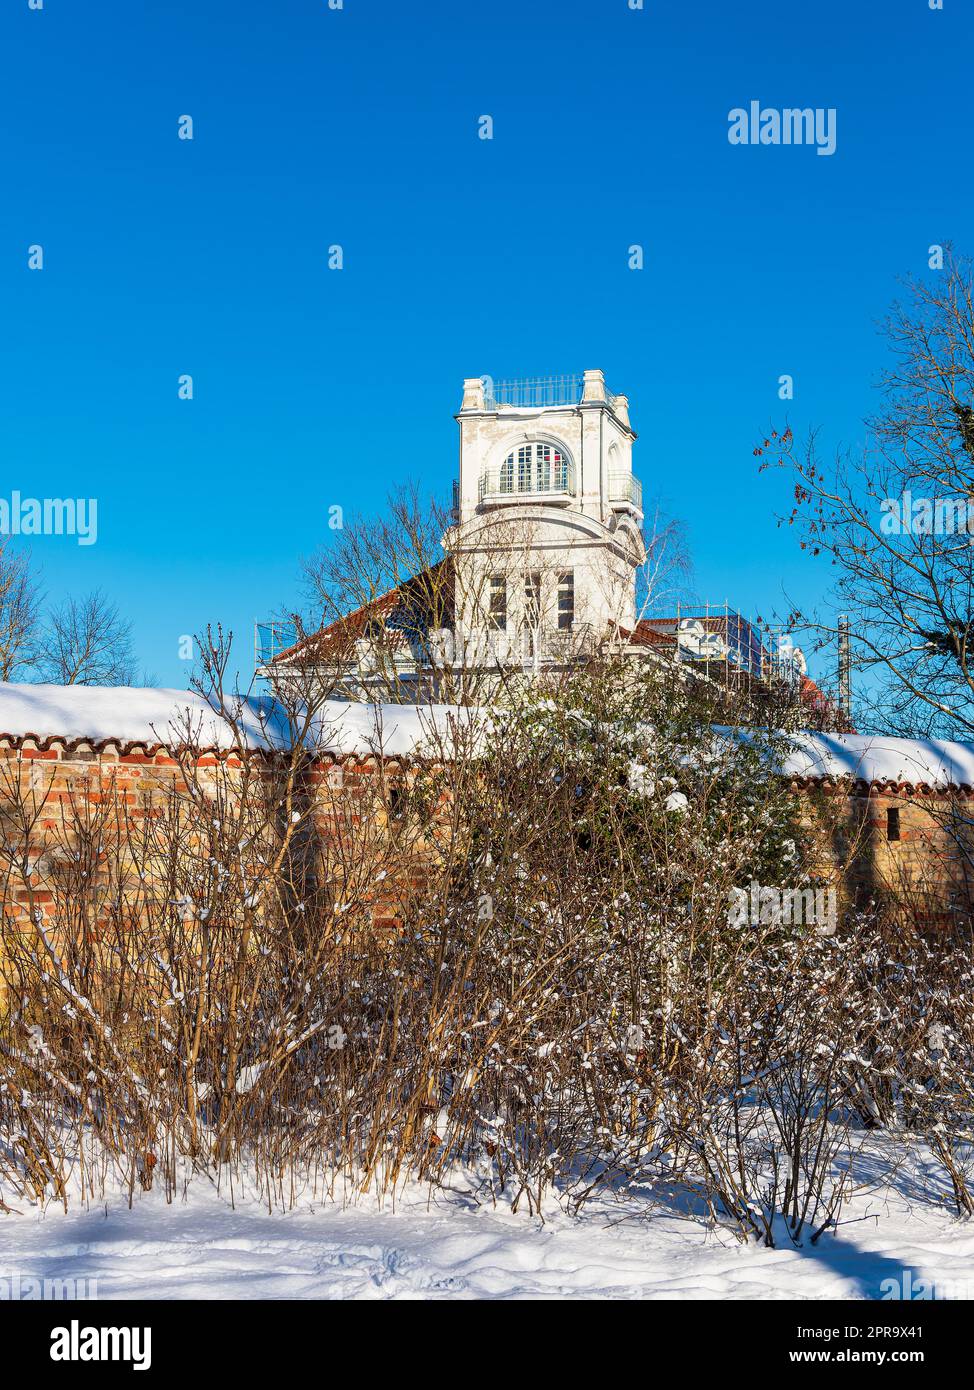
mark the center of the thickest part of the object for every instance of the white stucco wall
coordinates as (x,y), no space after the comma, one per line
(585,533)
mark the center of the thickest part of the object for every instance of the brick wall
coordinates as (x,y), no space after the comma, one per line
(920,854)
(46,785)
(51,789)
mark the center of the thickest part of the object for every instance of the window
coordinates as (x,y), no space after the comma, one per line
(566,600)
(524,468)
(543,467)
(535,468)
(498,602)
(532,600)
(560,478)
(893,823)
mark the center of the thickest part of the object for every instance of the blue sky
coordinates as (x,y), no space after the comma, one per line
(462,256)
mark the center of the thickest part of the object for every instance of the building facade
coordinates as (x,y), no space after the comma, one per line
(542,565)
(548,537)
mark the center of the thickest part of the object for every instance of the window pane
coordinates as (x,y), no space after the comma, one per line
(532,599)
(498,601)
(544,467)
(524,468)
(566,600)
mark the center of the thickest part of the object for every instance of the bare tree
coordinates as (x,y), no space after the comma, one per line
(412,602)
(664,579)
(375,592)
(370,556)
(409,603)
(897,518)
(19,603)
(86,642)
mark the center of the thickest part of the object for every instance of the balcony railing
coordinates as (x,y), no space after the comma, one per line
(623,487)
(557,644)
(554,479)
(487,647)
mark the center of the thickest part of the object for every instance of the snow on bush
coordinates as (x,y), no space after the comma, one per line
(562,1007)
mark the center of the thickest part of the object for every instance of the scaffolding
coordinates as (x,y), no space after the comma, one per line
(727,647)
(270,639)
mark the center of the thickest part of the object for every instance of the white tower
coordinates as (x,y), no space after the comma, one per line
(549,537)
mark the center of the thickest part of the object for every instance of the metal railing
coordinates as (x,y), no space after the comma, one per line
(557,644)
(535,392)
(541,480)
(487,647)
(270,639)
(623,487)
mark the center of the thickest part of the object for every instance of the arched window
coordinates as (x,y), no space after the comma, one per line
(536,468)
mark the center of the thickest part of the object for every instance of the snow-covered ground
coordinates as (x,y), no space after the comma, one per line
(441,1246)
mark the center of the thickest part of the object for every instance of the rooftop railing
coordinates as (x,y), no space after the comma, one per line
(535,392)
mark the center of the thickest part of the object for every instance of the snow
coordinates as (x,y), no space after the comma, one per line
(130,714)
(147,715)
(879,758)
(441,1246)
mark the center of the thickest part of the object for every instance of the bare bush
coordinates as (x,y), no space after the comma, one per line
(507,963)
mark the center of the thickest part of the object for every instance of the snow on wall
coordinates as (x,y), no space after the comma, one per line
(128,714)
(143,715)
(878,758)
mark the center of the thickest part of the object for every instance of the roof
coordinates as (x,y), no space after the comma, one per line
(645,635)
(881,761)
(168,718)
(398,611)
(336,640)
